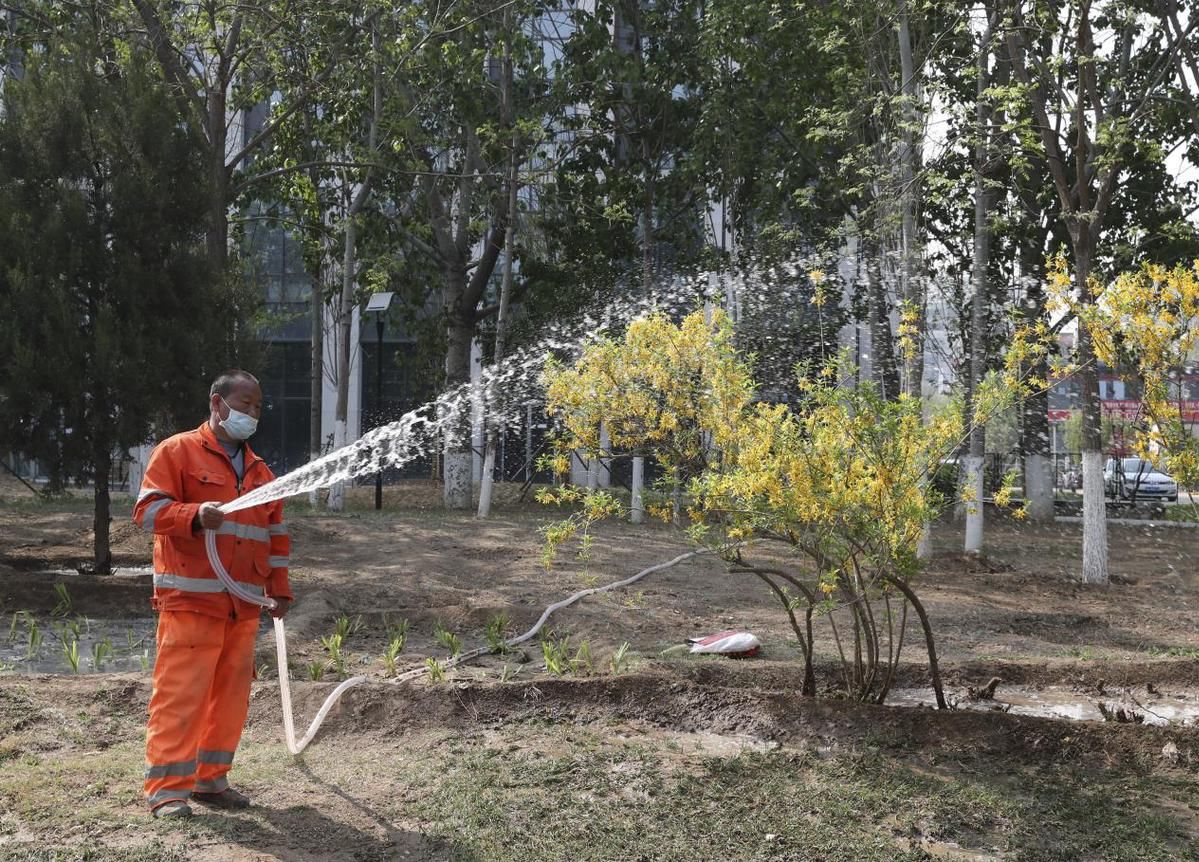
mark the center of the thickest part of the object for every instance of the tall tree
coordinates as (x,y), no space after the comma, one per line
(451,137)
(219,59)
(983,197)
(1087,104)
(112,326)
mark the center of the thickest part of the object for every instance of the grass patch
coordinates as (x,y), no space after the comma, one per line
(612,803)
(1183,512)
(608,793)
(1174,652)
(154,852)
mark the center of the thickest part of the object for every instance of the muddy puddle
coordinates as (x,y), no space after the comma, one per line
(75,644)
(1140,705)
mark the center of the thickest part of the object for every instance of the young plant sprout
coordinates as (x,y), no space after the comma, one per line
(34,637)
(345,627)
(70,651)
(495,630)
(63,608)
(556,653)
(391,655)
(436,671)
(333,649)
(101,650)
(448,639)
(619,658)
(395,630)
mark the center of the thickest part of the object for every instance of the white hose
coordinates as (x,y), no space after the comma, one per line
(289,730)
(239,590)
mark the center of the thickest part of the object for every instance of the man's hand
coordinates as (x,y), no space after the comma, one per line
(210,516)
(279,611)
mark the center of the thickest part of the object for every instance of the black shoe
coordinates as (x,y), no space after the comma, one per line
(227,798)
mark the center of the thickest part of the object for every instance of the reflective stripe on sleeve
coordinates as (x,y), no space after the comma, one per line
(277,529)
(168,581)
(278,562)
(152,512)
(163,770)
(244,531)
(153,492)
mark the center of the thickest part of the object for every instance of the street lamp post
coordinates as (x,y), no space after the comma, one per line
(379,303)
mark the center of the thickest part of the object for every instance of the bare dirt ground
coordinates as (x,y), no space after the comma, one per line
(665,758)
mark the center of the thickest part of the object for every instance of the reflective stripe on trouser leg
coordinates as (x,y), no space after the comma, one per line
(182,769)
(162,797)
(216,785)
(189,647)
(227,705)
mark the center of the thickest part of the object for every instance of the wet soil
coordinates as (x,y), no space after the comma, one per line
(1018,612)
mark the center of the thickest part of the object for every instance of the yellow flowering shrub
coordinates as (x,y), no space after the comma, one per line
(661,387)
(836,484)
(1145,324)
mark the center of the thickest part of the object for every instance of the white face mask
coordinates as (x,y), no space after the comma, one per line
(239,426)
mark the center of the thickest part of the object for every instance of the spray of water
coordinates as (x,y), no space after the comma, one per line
(505,387)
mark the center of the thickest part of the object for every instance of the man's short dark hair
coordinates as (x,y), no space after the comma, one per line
(224,384)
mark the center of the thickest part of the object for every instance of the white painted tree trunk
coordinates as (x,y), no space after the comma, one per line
(974,508)
(924,549)
(1094,519)
(477,411)
(484,510)
(1038,487)
(456,493)
(637,509)
(337,491)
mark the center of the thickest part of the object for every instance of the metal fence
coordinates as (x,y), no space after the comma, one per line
(33,474)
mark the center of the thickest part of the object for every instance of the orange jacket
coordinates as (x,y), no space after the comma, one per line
(193,468)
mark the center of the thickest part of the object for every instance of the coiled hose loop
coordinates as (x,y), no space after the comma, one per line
(239,590)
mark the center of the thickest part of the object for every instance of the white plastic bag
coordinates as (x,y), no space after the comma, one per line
(730,643)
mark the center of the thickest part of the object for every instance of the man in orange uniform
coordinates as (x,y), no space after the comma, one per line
(205,660)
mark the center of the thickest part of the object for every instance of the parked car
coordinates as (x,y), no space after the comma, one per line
(1137,479)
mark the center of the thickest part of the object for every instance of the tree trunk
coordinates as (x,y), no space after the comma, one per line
(912,292)
(882,348)
(460,331)
(501,322)
(647,235)
(345,319)
(934,667)
(1034,434)
(637,503)
(347,303)
(102,553)
(316,365)
(978,307)
(217,231)
(1094,506)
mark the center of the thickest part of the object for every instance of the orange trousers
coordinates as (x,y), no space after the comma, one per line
(198,703)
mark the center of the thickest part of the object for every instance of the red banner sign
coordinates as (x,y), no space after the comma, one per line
(1131,410)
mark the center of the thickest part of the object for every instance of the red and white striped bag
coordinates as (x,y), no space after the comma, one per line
(733,644)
